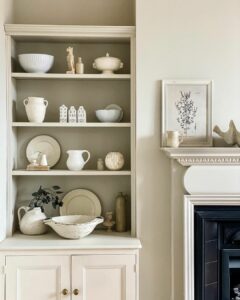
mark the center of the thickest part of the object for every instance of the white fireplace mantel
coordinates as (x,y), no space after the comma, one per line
(204,156)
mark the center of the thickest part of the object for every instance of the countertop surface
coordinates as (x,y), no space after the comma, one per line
(51,241)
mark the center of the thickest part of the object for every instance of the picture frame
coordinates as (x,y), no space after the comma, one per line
(186,107)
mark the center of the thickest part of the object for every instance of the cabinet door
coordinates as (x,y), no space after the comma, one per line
(37,277)
(101,277)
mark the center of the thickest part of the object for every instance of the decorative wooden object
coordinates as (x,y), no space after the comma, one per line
(231,136)
(37,168)
(70,61)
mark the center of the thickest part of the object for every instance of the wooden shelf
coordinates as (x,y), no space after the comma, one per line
(70,173)
(71,125)
(71,76)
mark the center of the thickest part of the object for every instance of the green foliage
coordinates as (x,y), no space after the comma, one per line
(45,196)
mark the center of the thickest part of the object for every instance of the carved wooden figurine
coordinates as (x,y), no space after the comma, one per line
(70,61)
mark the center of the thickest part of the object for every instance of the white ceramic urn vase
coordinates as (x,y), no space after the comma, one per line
(35,109)
(31,222)
(75,161)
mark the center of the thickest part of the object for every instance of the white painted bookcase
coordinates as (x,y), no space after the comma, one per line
(115,256)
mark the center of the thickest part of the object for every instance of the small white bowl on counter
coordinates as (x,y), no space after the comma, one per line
(73,227)
(36,63)
(108,115)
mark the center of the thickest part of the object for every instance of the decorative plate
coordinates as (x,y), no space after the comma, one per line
(115,106)
(81,202)
(44,144)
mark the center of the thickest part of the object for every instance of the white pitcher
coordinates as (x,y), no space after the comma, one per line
(31,222)
(35,108)
(75,160)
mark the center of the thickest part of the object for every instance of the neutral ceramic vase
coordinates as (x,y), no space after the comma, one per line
(35,109)
(75,160)
(121,219)
(31,223)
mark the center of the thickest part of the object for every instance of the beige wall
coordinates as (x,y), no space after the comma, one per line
(80,12)
(177,39)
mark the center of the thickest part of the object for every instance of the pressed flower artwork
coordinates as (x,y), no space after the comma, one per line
(186,108)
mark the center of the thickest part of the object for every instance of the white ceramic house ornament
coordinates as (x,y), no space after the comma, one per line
(72,115)
(82,116)
(63,114)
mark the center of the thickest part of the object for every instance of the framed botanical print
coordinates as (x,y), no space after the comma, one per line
(187,108)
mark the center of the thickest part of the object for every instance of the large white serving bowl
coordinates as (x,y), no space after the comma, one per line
(36,63)
(73,227)
(108,115)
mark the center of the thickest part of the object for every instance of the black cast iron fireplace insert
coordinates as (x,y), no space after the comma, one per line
(217,252)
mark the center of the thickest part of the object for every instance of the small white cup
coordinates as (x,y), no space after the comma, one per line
(174,139)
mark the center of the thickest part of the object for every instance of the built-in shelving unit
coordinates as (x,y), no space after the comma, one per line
(93,91)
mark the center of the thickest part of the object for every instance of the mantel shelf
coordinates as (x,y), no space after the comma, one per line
(71,173)
(71,125)
(204,156)
(71,76)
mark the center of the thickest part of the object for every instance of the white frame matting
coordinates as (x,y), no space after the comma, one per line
(189,203)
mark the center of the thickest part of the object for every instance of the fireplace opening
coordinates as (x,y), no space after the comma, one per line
(217,252)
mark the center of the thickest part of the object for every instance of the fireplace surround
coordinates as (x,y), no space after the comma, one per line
(207,177)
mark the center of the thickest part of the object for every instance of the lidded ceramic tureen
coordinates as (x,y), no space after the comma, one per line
(107,64)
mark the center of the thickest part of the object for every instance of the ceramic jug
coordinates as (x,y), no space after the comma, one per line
(174,139)
(35,108)
(75,160)
(31,222)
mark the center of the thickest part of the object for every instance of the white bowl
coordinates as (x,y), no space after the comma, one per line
(107,64)
(73,227)
(36,63)
(108,115)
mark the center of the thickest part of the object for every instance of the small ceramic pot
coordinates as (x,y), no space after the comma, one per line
(174,139)
(31,222)
(35,109)
(114,161)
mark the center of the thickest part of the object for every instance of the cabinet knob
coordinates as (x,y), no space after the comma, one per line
(75,292)
(65,292)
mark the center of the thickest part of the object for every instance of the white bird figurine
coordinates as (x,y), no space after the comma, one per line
(231,136)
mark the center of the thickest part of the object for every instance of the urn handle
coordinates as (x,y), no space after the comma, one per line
(22,208)
(25,101)
(45,102)
(94,66)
